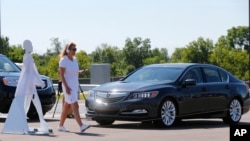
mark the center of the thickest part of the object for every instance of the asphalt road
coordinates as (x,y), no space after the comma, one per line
(189,130)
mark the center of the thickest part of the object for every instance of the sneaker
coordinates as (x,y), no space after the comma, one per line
(84,127)
(62,129)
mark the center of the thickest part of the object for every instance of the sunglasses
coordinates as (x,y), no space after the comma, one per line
(74,49)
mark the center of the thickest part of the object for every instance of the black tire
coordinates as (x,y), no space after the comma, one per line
(234,112)
(167,114)
(105,121)
(33,115)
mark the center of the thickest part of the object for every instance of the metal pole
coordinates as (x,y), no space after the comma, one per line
(1,46)
(248,45)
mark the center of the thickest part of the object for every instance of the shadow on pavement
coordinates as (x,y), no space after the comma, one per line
(89,134)
(2,120)
(186,124)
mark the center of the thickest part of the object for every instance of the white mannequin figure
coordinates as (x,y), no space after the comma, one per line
(25,93)
(31,79)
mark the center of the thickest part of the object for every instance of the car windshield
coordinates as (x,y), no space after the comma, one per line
(7,66)
(167,74)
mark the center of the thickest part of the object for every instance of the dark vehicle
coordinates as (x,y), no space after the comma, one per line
(9,75)
(166,93)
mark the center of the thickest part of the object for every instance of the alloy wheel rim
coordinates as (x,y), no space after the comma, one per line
(168,113)
(235,110)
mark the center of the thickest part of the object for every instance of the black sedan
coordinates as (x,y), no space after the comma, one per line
(9,75)
(166,93)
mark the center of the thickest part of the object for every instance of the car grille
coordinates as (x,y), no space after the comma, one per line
(109,99)
(106,97)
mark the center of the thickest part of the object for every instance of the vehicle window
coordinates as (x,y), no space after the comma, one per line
(7,66)
(194,74)
(155,74)
(212,75)
(223,76)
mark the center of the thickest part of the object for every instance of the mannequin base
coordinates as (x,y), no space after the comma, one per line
(39,131)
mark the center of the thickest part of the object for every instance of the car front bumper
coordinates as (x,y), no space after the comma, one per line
(133,110)
(7,93)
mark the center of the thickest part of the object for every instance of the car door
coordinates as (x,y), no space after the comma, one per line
(194,100)
(217,88)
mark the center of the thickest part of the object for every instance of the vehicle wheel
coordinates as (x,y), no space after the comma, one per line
(168,113)
(105,121)
(234,113)
(33,115)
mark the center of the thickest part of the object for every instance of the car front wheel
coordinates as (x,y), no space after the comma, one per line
(234,112)
(33,115)
(168,113)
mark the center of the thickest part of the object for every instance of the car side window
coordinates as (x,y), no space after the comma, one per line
(212,75)
(193,74)
(223,76)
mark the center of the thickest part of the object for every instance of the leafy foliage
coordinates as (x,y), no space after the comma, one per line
(136,51)
(231,52)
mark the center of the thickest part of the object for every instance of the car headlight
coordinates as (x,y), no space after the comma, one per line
(91,94)
(142,95)
(10,81)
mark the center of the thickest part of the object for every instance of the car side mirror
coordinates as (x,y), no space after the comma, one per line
(189,82)
(121,79)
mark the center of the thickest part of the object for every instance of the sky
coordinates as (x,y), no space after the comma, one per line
(91,23)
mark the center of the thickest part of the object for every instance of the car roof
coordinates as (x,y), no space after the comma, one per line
(180,65)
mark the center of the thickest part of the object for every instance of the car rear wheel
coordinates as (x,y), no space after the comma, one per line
(234,112)
(168,113)
(105,121)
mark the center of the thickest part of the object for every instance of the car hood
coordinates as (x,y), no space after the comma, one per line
(17,74)
(10,74)
(130,86)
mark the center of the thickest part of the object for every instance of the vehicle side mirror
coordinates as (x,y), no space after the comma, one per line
(189,82)
(121,79)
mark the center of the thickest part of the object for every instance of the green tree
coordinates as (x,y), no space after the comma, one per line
(56,45)
(221,51)
(199,51)
(15,53)
(136,51)
(157,56)
(112,55)
(52,67)
(4,45)
(238,37)
(195,52)
(84,62)
(105,54)
(41,63)
(229,55)
(177,55)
